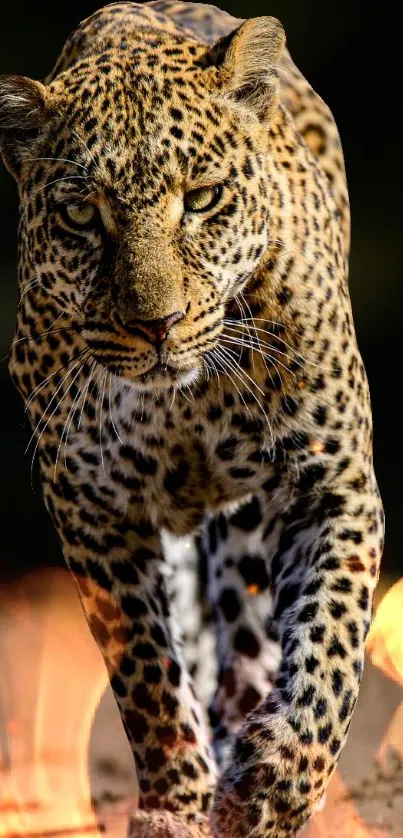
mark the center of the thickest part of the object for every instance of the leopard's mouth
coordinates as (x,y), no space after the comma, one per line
(165,376)
(159,368)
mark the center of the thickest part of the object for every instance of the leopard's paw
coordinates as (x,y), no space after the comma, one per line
(162,824)
(242,812)
(275,781)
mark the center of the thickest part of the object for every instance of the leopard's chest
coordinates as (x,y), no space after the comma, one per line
(177,462)
(194,471)
(195,477)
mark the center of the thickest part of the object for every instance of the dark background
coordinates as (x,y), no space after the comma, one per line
(350,56)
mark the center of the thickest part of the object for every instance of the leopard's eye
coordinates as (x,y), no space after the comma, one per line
(203,199)
(79,215)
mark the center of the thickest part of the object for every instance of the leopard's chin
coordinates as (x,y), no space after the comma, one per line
(164,377)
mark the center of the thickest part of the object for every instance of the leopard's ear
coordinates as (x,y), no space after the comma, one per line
(247,59)
(23,112)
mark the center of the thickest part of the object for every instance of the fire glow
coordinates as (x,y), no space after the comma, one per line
(51,681)
(45,720)
(385,646)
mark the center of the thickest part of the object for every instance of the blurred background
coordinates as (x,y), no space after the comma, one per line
(350,56)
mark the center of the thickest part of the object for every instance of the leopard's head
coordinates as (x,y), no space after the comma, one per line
(145,190)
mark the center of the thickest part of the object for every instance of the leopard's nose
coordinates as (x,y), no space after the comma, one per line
(154,331)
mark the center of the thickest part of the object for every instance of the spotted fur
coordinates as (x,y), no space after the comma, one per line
(196,372)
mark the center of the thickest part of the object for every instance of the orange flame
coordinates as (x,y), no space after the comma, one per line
(51,679)
(385,640)
(385,646)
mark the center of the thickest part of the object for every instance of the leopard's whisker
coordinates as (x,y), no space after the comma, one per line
(226,363)
(47,332)
(243,325)
(223,362)
(28,337)
(258,348)
(267,319)
(64,426)
(143,404)
(60,160)
(230,362)
(232,325)
(70,422)
(299,358)
(77,360)
(64,430)
(101,405)
(30,285)
(60,180)
(42,384)
(80,139)
(86,390)
(211,368)
(250,312)
(243,314)
(89,195)
(111,378)
(241,368)
(58,403)
(207,368)
(238,366)
(264,355)
(253,347)
(184,395)
(242,296)
(173,399)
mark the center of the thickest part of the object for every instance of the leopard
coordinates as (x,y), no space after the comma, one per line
(200,412)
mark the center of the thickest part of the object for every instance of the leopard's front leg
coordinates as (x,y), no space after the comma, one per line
(119,570)
(323,576)
(237,547)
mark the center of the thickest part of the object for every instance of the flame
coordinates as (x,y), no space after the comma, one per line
(385,640)
(385,646)
(51,679)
